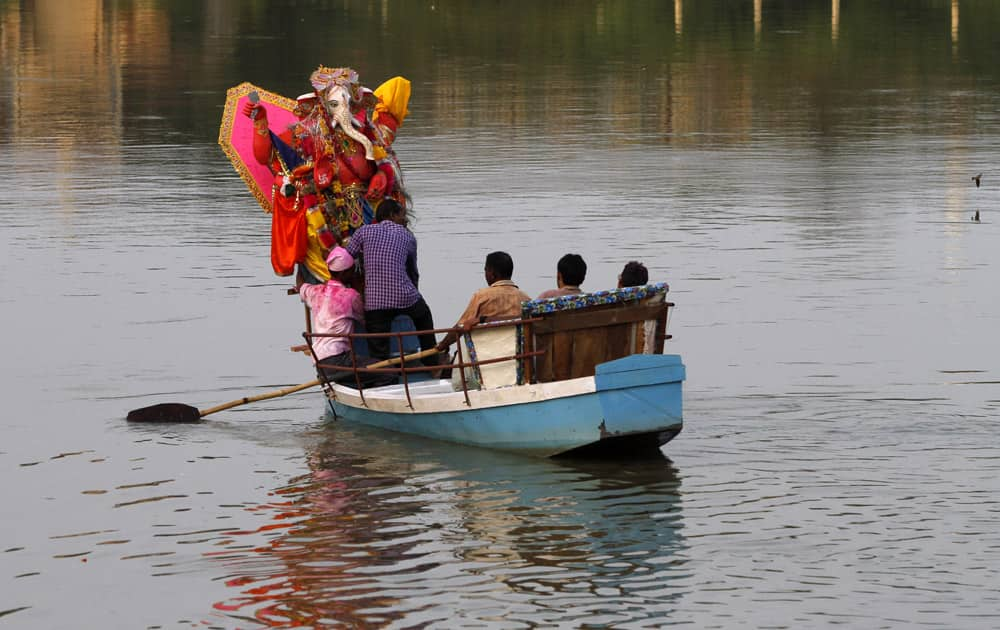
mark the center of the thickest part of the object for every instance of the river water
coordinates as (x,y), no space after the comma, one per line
(799,172)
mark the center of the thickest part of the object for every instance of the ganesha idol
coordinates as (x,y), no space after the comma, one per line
(331,167)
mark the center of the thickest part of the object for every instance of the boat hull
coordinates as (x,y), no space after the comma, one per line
(634,401)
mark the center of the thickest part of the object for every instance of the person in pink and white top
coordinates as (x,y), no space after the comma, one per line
(335,308)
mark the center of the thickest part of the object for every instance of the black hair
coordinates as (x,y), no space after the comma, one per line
(634,274)
(573,269)
(387,209)
(502,265)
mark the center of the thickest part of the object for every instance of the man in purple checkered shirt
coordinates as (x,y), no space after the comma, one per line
(389,257)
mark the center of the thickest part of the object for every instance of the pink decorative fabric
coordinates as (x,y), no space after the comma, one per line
(236,136)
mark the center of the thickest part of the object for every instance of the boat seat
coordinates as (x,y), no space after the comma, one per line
(578,332)
(492,342)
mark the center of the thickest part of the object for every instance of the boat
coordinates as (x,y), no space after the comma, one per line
(580,375)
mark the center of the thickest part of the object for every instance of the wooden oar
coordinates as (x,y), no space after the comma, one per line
(179,412)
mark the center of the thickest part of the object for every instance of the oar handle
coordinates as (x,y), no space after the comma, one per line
(298,388)
(408,357)
(250,399)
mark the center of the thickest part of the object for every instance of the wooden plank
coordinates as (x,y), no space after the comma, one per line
(589,348)
(562,355)
(543,363)
(620,341)
(639,337)
(588,318)
(528,363)
(661,330)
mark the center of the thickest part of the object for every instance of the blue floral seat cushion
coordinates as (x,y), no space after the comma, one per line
(533,308)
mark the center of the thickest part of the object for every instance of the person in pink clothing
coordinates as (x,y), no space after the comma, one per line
(335,308)
(570,272)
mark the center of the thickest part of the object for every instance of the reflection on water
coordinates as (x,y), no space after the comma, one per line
(429,533)
(85,72)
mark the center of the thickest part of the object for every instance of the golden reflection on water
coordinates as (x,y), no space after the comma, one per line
(758,20)
(954,28)
(834,20)
(66,59)
(82,68)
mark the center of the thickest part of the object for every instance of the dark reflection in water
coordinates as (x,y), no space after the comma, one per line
(386,528)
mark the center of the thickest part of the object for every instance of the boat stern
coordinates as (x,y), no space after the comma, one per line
(641,394)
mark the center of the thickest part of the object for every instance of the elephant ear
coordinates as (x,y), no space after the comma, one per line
(368,100)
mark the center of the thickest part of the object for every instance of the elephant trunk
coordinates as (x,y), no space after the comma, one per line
(345,120)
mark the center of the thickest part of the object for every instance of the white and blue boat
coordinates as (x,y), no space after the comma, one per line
(577,375)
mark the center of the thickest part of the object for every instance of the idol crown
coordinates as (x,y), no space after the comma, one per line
(324,78)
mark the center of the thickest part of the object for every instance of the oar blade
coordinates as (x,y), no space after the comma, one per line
(165,412)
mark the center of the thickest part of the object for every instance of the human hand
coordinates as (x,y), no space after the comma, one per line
(376,187)
(254,111)
(323,173)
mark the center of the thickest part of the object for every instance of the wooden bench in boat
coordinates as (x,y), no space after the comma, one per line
(573,335)
(578,332)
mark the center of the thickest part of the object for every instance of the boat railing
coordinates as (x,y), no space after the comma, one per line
(404,368)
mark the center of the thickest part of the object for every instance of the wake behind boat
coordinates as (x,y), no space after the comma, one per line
(575,375)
